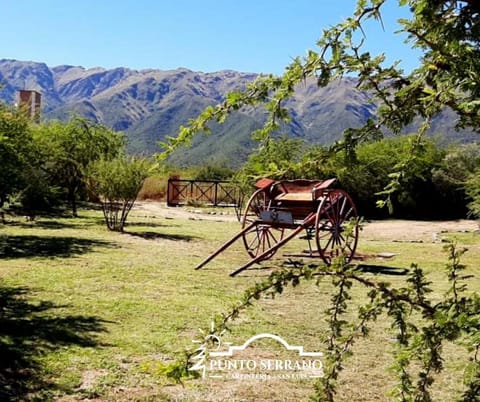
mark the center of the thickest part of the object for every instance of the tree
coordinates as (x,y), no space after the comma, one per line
(67,149)
(16,146)
(416,195)
(213,172)
(455,178)
(275,159)
(365,175)
(39,195)
(446,32)
(472,187)
(117,183)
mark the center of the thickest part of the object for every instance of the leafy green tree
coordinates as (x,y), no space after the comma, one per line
(117,183)
(447,33)
(458,164)
(472,187)
(431,184)
(366,172)
(451,179)
(415,195)
(214,172)
(38,195)
(67,149)
(16,150)
(275,159)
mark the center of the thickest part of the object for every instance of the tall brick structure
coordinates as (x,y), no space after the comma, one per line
(30,103)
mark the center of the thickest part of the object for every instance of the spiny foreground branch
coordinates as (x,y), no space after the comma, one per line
(446,32)
(455,319)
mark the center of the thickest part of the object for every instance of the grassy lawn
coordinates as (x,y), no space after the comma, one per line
(87,314)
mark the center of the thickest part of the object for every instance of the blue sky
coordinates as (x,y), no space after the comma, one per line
(259,36)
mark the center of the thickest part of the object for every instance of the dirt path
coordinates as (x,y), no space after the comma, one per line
(400,230)
(403,230)
(160,210)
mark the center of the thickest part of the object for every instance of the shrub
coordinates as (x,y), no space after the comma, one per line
(472,187)
(117,183)
(213,172)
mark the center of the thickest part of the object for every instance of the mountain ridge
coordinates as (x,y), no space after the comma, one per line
(149,104)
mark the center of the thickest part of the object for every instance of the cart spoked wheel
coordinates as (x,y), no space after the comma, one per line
(336,226)
(260,237)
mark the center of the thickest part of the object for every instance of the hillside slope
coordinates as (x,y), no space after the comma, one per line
(149,104)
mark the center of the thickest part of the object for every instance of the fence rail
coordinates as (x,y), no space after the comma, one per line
(212,193)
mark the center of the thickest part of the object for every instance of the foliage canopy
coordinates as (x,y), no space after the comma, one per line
(16,151)
(68,148)
(117,183)
(446,32)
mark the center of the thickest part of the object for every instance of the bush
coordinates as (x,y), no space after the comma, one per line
(451,178)
(472,187)
(430,180)
(416,196)
(38,196)
(365,173)
(16,152)
(117,183)
(214,172)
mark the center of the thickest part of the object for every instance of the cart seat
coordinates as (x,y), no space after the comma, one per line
(299,190)
(297,198)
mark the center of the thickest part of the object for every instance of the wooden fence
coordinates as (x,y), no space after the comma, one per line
(209,193)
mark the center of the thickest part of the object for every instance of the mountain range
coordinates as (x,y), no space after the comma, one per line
(149,104)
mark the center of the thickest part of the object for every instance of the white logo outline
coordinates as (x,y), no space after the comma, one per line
(254,338)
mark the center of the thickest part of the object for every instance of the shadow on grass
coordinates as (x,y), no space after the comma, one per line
(29,330)
(43,224)
(366,268)
(46,222)
(155,235)
(151,225)
(380,269)
(22,246)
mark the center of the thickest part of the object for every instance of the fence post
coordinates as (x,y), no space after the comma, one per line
(172,191)
(215,199)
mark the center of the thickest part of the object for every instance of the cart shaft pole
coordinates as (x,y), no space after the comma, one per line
(262,256)
(226,245)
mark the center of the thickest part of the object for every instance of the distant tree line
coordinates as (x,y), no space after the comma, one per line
(435,183)
(44,167)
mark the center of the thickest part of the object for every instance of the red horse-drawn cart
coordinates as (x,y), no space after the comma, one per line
(327,215)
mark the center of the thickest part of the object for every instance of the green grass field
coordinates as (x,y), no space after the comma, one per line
(88,314)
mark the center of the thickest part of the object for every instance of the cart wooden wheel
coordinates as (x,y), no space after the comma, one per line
(336,226)
(260,237)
